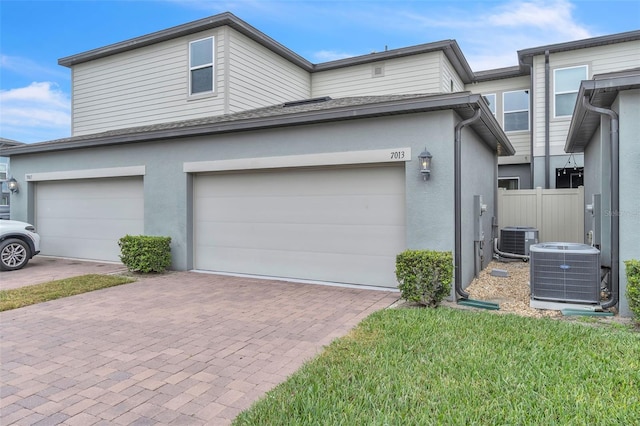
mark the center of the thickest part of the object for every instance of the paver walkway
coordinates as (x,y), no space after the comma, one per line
(180,348)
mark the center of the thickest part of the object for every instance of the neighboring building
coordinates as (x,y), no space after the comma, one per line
(255,160)
(5,194)
(605,127)
(534,104)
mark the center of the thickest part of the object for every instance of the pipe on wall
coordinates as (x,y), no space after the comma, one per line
(457,255)
(547,119)
(614,188)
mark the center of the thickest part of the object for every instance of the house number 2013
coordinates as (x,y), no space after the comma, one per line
(397,155)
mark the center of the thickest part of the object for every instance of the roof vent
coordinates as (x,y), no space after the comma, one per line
(306,102)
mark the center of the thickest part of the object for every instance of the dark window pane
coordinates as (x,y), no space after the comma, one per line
(202,80)
(514,121)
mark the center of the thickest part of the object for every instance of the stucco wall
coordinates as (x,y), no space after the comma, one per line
(429,204)
(629,214)
(479,177)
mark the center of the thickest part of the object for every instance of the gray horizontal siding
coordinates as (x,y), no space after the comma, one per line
(258,77)
(143,86)
(407,75)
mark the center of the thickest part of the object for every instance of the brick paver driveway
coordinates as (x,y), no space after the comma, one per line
(181,348)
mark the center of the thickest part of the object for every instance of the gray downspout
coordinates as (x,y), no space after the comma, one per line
(531,117)
(457,254)
(547,115)
(614,184)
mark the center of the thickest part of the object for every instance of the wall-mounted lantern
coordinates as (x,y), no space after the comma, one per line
(12,184)
(425,164)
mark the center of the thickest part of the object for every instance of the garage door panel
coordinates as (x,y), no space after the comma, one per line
(345,239)
(92,208)
(85,218)
(343,209)
(348,181)
(312,266)
(93,248)
(332,224)
(87,228)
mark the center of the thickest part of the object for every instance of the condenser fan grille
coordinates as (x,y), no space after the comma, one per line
(565,272)
(517,239)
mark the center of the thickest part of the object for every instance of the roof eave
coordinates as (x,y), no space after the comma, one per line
(204,24)
(577,138)
(460,102)
(526,55)
(450,49)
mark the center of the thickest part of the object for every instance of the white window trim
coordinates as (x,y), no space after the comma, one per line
(555,114)
(211,64)
(505,112)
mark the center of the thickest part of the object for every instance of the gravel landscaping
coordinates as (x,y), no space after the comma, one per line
(511,292)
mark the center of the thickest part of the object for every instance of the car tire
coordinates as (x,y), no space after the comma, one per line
(14,254)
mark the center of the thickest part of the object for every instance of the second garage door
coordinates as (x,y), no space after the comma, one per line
(328,224)
(85,218)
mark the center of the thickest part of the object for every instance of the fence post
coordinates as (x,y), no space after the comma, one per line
(539,210)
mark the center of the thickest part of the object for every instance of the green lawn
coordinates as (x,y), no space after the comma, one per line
(29,295)
(449,366)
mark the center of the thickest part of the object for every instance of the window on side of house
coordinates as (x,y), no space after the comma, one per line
(516,110)
(509,182)
(566,82)
(491,100)
(4,169)
(201,66)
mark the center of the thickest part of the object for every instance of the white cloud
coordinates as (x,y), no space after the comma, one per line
(39,109)
(29,68)
(491,35)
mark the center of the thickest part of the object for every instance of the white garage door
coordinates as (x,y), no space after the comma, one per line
(339,225)
(86,218)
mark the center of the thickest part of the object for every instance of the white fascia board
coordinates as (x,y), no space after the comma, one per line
(306,160)
(86,174)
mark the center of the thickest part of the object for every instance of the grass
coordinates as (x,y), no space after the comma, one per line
(29,295)
(448,366)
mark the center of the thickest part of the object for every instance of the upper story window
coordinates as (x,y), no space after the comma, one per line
(491,100)
(566,82)
(516,110)
(201,66)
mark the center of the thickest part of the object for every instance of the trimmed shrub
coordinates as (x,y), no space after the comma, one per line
(424,276)
(633,287)
(143,253)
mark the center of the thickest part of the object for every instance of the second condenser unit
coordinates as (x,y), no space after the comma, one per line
(518,239)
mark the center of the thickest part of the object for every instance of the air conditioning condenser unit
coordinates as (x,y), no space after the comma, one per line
(518,239)
(565,272)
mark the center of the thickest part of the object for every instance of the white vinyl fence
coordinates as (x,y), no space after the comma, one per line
(558,214)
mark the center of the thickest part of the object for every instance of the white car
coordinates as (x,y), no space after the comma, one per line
(18,243)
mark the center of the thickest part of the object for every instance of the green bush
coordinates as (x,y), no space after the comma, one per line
(142,253)
(424,276)
(633,287)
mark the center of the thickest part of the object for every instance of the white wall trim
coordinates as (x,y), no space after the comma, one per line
(86,174)
(305,160)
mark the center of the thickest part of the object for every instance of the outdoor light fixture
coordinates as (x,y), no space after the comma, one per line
(12,184)
(425,164)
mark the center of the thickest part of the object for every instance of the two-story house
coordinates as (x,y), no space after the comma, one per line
(534,103)
(256,161)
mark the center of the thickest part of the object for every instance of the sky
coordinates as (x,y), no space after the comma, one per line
(35,92)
